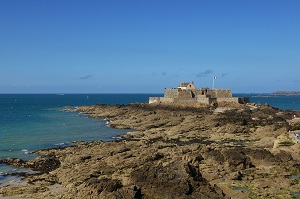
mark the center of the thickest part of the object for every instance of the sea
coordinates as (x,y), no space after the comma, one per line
(29,122)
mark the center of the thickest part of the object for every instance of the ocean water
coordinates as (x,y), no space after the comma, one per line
(32,122)
(284,102)
(29,122)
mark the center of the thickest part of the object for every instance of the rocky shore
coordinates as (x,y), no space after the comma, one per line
(173,151)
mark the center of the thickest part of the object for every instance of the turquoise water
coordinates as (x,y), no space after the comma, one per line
(32,122)
(29,122)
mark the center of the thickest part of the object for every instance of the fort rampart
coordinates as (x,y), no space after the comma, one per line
(196,96)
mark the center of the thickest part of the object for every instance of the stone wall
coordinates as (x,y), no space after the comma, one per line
(197,100)
(228,99)
(186,101)
(219,93)
(203,96)
(154,100)
(185,94)
(171,93)
(161,100)
(203,100)
(167,100)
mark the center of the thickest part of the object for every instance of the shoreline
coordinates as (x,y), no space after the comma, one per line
(219,152)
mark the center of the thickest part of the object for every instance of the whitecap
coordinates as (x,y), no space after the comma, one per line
(26,151)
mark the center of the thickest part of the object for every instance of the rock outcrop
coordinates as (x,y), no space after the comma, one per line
(172,152)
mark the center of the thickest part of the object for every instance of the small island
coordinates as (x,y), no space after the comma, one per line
(188,93)
(286,93)
(175,150)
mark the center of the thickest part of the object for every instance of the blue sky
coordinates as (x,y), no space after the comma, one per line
(142,46)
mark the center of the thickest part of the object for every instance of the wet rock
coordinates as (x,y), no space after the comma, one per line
(13,162)
(43,164)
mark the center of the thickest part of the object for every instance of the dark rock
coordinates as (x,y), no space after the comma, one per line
(237,176)
(43,164)
(131,192)
(109,185)
(215,155)
(193,171)
(13,162)
(83,158)
(259,156)
(236,159)
(176,180)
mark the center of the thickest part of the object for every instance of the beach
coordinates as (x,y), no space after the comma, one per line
(173,152)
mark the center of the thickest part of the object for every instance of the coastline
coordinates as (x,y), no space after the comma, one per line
(286,93)
(174,152)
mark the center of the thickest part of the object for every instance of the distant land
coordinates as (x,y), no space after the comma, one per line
(286,92)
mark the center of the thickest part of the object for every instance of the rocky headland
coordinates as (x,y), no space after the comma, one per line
(174,151)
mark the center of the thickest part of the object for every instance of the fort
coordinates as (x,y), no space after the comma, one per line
(187,93)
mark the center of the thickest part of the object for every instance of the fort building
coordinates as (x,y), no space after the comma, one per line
(187,92)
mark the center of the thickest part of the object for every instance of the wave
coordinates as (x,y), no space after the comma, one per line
(64,144)
(26,151)
(117,138)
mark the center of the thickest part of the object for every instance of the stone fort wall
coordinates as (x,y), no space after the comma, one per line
(219,93)
(200,100)
(185,94)
(171,93)
(203,96)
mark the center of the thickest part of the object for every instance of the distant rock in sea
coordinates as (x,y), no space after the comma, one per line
(286,93)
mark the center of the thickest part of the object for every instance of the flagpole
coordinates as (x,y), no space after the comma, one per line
(213,86)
